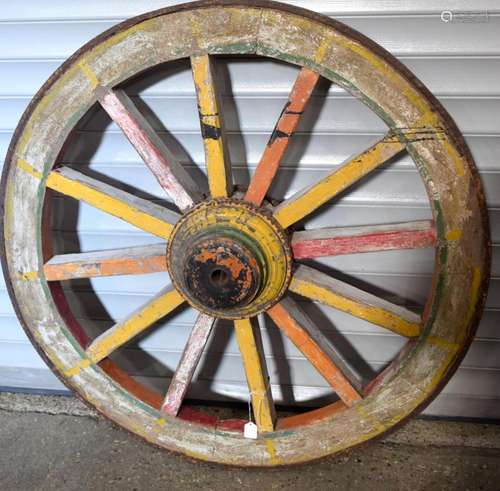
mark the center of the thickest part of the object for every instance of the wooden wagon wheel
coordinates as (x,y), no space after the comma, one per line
(231,254)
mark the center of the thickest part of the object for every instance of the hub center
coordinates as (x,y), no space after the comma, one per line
(221,272)
(219,277)
(229,259)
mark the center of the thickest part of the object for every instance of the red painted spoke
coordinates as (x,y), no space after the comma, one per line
(351,240)
(187,364)
(317,349)
(281,136)
(110,262)
(312,197)
(172,177)
(318,286)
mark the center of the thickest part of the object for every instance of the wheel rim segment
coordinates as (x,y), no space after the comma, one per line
(338,54)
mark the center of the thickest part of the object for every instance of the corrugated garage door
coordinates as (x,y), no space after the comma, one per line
(458,60)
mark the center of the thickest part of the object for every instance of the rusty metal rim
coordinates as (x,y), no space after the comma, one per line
(451,128)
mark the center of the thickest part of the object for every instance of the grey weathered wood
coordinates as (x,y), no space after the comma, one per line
(187,365)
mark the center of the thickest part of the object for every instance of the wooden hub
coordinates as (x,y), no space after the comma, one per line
(229,259)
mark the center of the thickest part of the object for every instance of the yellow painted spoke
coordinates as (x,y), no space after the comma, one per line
(250,344)
(109,262)
(212,129)
(139,212)
(160,305)
(309,199)
(320,287)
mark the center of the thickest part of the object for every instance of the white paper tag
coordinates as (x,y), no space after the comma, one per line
(250,430)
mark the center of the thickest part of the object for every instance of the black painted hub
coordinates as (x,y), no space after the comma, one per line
(221,272)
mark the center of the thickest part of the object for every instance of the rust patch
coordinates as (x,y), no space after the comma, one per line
(222,273)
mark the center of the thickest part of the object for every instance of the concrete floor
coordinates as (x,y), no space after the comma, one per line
(57,443)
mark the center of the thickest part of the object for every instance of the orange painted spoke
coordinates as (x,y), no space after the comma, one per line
(187,364)
(281,136)
(172,177)
(212,128)
(322,288)
(111,262)
(351,240)
(312,197)
(317,349)
(159,306)
(139,212)
(252,353)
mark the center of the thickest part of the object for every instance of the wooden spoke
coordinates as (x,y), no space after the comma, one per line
(350,240)
(159,306)
(212,128)
(139,212)
(318,286)
(317,349)
(252,352)
(281,136)
(172,177)
(312,197)
(128,260)
(187,364)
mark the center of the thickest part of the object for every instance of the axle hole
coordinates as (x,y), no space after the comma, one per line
(219,277)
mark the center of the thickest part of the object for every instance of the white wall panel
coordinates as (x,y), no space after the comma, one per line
(459,62)
(448,76)
(259,114)
(399,34)
(30,10)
